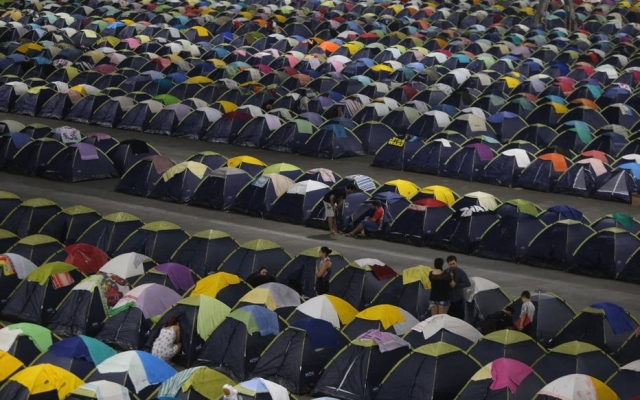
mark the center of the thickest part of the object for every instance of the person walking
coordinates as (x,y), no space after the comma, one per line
(323,270)
(441,284)
(333,201)
(460,282)
(527,313)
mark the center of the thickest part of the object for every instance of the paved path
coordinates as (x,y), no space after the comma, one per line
(579,291)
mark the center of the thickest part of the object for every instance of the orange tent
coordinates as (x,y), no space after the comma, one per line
(558,160)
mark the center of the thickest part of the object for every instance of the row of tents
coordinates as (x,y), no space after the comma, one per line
(270,332)
(65,154)
(433,216)
(589,174)
(119,314)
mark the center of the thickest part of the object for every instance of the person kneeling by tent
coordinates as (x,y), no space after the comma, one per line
(167,345)
(498,321)
(369,224)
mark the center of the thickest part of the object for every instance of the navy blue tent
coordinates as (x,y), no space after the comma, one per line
(229,124)
(582,178)
(604,253)
(428,124)
(464,229)
(141,178)
(300,272)
(506,167)
(297,203)
(33,158)
(373,135)
(508,238)
(256,131)
(553,247)
(417,224)
(110,231)
(289,137)
(543,173)
(165,121)
(193,125)
(80,162)
(158,240)
(431,157)
(505,123)
(220,189)
(204,251)
(620,186)
(345,218)
(468,163)
(560,212)
(251,256)
(138,117)
(179,183)
(129,152)
(257,197)
(10,144)
(396,153)
(332,141)
(323,175)
(211,159)
(538,134)
(617,220)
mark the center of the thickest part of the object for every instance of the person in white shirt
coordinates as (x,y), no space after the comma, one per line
(527,313)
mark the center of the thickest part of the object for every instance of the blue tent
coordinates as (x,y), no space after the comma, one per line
(543,173)
(373,135)
(431,157)
(77,354)
(297,203)
(620,186)
(508,238)
(553,247)
(560,212)
(332,141)
(289,137)
(582,179)
(80,162)
(33,158)
(257,197)
(220,188)
(179,183)
(417,224)
(10,144)
(468,163)
(396,153)
(211,159)
(506,167)
(617,220)
(604,253)
(464,229)
(141,178)
(129,152)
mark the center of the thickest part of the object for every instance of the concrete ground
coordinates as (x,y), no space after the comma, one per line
(579,291)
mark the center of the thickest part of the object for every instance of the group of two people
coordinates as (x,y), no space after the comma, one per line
(447,288)
(333,203)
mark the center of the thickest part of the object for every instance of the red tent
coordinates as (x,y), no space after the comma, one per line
(88,259)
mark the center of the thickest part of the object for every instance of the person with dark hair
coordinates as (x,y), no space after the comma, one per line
(333,201)
(440,287)
(261,277)
(527,314)
(498,321)
(323,270)
(460,282)
(369,224)
(268,105)
(167,345)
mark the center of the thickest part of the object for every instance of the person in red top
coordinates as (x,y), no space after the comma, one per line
(369,224)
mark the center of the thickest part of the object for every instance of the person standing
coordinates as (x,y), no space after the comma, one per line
(460,282)
(333,201)
(323,271)
(527,313)
(441,284)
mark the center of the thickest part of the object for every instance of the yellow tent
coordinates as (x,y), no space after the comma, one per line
(203,80)
(440,193)
(8,365)
(235,162)
(227,106)
(403,187)
(46,378)
(387,315)
(213,284)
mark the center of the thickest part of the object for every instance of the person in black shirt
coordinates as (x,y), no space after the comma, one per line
(333,201)
(258,278)
(440,288)
(498,321)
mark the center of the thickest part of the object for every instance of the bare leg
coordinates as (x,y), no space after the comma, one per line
(356,231)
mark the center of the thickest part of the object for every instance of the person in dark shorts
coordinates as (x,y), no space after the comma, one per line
(323,271)
(440,288)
